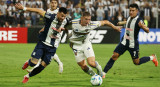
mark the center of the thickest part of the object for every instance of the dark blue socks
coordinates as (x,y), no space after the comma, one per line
(36,70)
(109,65)
(144,60)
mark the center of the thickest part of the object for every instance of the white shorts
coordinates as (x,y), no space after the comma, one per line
(83,51)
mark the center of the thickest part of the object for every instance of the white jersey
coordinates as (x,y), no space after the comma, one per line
(80,34)
(53,12)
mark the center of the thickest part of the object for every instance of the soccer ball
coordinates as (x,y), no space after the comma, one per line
(96,80)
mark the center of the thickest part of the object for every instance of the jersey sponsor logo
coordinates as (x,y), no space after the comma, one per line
(96,36)
(129,29)
(127,37)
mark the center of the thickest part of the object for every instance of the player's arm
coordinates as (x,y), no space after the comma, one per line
(143,26)
(121,22)
(21,7)
(105,22)
(41,30)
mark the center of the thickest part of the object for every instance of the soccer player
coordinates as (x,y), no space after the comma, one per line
(48,39)
(130,40)
(52,10)
(82,47)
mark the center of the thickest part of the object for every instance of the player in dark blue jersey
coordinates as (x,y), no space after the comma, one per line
(52,10)
(130,40)
(48,39)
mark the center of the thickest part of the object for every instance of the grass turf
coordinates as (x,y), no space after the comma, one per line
(123,74)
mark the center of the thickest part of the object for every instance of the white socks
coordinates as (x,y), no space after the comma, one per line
(56,58)
(99,68)
(151,57)
(90,71)
(27,75)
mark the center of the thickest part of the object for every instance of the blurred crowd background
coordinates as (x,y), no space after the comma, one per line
(112,10)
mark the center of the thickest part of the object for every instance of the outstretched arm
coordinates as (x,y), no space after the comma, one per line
(105,22)
(21,7)
(121,22)
(143,26)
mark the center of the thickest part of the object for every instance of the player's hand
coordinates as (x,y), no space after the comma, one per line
(60,29)
(41,30)
(119,23)
(19,6)
(118,28)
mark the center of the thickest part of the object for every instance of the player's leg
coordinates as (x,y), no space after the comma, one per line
(56,59)
(89,53)
(119,50)
(91,61)
(46,59)
(36,55)
(86,68)
(138,61)
(80,58)
(35,71)
(39,62)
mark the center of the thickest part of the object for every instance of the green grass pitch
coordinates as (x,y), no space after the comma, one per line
(123,74)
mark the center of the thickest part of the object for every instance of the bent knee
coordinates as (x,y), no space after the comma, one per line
(34,60)
(92,63)
(115,56)
(43,64)
(136,61)
(84,67)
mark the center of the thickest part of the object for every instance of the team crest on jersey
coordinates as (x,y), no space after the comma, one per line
(87,30)
(88,48)
(76,30)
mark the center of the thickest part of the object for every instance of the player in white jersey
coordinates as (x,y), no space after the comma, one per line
(130,40)
(52,10)
(82,47)
(49,39)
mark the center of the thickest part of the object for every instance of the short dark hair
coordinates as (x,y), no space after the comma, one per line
(134,6)
(86,14)
(62,9)
(54,0)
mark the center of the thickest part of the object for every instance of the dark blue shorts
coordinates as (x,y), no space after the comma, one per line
(134,52)
(44,52)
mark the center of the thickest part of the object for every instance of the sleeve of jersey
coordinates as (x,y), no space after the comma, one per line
(49,16)
(69,23)
(95,24)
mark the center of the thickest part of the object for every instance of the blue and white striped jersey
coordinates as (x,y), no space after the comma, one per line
(48,35)
(131,32)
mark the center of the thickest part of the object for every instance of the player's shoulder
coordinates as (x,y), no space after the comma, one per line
(75,21)
(94,23)
(53,12)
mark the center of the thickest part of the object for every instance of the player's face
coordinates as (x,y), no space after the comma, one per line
(85,20)
(61,16)
(133,12)
(53,4)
